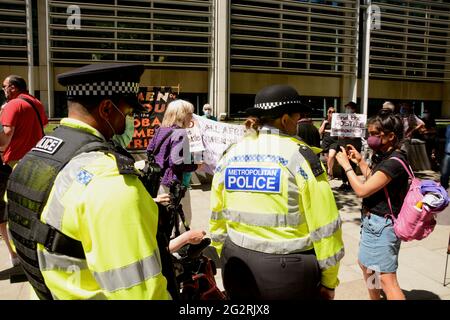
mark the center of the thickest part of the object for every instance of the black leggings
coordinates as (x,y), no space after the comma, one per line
(5,171)
(252,275)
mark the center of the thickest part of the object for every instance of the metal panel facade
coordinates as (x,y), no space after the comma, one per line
(13,32)
(413,41)
(156,33)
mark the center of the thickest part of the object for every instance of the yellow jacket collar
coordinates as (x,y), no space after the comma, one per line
(78,124)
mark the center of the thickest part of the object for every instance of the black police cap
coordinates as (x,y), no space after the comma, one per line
(105,80)
(275,100)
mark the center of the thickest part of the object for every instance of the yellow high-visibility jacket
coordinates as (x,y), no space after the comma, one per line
(115,219)
(266,198)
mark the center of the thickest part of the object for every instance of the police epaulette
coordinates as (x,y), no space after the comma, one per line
(313,160)
(125,164)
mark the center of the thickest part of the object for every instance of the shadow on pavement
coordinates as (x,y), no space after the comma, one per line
(345,198)
(420,295)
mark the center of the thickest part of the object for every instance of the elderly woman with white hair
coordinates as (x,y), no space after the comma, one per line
(170,146)
(207,112)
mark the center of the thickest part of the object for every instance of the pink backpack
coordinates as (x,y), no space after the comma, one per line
(412,223)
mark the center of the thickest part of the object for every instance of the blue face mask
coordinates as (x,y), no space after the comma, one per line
(125,138)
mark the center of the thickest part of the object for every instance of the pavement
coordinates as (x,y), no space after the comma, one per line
(421,263)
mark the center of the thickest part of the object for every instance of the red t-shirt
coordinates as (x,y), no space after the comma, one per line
(21,115)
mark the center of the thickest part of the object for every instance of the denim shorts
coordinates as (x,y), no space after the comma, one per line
(379,246)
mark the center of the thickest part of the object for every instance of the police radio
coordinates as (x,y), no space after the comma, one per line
(152,172)
(151,175)
(175,209)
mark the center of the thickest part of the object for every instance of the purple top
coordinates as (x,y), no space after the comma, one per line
(174,156)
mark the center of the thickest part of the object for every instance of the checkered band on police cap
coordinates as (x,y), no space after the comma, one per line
(272,105)
(103,88)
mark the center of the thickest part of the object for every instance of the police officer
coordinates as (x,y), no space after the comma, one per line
(274,219)
(82,222)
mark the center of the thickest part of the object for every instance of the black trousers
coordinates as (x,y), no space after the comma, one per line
(252,275)
(5,171)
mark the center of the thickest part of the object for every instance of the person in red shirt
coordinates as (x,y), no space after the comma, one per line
(22,121)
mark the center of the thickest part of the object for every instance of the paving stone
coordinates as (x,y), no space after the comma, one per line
(426,262)
(353,290)
(347,274)
(410,279)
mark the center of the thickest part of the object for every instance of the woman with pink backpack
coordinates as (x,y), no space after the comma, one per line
(379,246)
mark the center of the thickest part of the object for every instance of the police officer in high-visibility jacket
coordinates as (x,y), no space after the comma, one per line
(274,220)
(81,220)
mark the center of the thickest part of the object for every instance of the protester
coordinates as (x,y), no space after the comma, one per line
(379,246)
(389,106)
(207,112)
(411,123)
(350,108)
(23,120)
(327,139)
(170,146)
(274,219)
(307,131)
(428,133)
(96,236)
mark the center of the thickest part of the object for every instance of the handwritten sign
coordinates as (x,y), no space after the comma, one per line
(195,137)
(348,125)
(216,138)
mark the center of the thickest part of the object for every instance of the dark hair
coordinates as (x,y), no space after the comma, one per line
(387,122)
(90,103)
(18,82)
(406,105)
(352,105)
(255,123)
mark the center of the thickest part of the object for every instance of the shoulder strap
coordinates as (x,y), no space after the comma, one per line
(35,110)
(313,160)
(388,200)
(411,175)
(409,171)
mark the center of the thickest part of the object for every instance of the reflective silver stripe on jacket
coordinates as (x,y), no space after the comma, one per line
(284,246)
(63,182)
(129,276)
(58,262)
(275,220)
(216,216)
(219,237)
(332,261)
(326,231)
